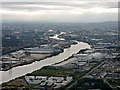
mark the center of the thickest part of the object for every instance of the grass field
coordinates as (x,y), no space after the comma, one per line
(57,72)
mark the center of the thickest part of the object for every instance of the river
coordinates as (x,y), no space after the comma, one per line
(22,70)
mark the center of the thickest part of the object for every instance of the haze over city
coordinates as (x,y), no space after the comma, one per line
(74,11)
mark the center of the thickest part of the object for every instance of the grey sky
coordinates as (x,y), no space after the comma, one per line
(60,11)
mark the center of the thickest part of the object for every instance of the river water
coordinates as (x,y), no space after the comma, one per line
(22,70)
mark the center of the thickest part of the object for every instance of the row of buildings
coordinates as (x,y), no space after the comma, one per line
(54,82)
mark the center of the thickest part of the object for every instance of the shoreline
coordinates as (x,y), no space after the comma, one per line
(29,62)
(82,50)
(43,66)
(33,60)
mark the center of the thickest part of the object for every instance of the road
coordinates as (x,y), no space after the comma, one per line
(86,74)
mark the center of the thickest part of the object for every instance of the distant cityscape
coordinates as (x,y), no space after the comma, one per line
(74,56)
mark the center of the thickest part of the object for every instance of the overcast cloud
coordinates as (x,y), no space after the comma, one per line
(63,11)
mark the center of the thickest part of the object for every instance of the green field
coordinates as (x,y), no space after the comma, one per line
(56,72)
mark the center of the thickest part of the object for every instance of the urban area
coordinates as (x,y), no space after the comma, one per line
(96,67)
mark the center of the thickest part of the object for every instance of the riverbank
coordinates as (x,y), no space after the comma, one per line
(37,57)
(25,69)
(28,59)
(44,71)
(25,63)
(69,59)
